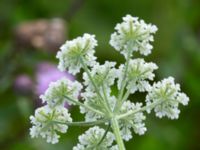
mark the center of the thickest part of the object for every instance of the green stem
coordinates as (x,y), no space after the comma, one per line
(132,112)
(81,123)
(125,73)
(90,77)
(126,95)
(116,130)
(123,84)
(106,98)
(93,83)
(104,135)
(83,105)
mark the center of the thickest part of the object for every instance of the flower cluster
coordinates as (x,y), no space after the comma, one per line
(45,123)
(165,97)
(53,116)
(134,121)
(55,94)
(103,76)
(72,53)
(133,35)
(138,73)
(100,104)
(91,140)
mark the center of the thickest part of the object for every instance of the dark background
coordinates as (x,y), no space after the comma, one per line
(176,51)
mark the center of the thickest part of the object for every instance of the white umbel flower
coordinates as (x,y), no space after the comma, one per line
(44,123)
(101,104)
(54,95)
(167,96)
(134,121)
(91,138)
(71,52)
(134,35)
(102,75)
(138,74)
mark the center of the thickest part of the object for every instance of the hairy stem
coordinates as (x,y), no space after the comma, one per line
(125,73)
(125,97)
(123,84)
(93,83)
(132,112)
(106,98)
(116,130)
(82,123)
(83,105)
(104,135)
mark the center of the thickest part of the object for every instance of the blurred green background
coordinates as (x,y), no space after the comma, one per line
(176,51)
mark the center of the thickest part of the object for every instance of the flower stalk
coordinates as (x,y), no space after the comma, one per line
(116,130)
(83,105)
(102,100)
(83,123)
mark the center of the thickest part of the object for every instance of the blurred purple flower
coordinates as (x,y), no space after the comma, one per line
(23,84)
(46,73)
